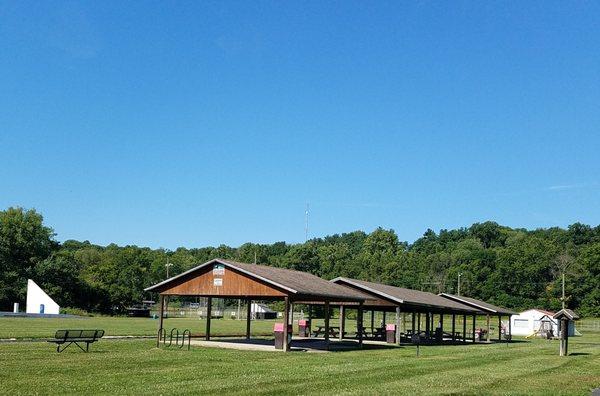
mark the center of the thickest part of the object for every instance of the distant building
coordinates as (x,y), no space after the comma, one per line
(539,321)
(261,311)
(38,302)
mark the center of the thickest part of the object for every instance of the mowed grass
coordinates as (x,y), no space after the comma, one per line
(138,367)
(21,328)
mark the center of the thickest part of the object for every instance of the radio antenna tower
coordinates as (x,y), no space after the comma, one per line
(306,225)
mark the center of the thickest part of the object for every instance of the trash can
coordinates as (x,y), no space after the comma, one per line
(278,333)
(390,333)
(439,335)
(304,328)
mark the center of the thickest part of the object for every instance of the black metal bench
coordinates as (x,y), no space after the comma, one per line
(76,337)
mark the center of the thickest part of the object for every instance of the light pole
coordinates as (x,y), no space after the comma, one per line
(167,266)
(458,288)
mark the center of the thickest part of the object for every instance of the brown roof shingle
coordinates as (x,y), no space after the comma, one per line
(482,305)
(405,296)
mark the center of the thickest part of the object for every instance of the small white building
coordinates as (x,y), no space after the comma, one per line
(38,302)
(530,322)
(261,311)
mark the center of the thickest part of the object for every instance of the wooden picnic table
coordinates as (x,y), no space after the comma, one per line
(333,331)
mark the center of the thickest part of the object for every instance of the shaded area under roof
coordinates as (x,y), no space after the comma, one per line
(412,299)
(296,284)
(478,304)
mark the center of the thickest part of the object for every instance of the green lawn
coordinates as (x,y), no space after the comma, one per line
(137,367)
(46,327)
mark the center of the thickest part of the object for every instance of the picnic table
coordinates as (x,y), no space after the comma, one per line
(333,331)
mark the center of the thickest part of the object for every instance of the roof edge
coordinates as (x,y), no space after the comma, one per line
(351,281)
(226,263)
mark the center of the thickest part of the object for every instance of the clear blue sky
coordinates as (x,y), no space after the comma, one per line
(195,123)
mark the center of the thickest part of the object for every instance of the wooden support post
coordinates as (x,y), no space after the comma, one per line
(413,322)
(453,327)
(208,314)
(464,328)
(487,338)
(161,304)
(359,325)
(419,323)
(342,322)
(372,321)
(499,327)
(383,322)
(474,320)
(248,318)
(398,324)
(309,321)
(327,323)
(427,326)
(509,338)
(286,321)
(442,322)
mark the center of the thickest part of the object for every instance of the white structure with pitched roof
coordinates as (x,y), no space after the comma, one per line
(529,322)
(38,302)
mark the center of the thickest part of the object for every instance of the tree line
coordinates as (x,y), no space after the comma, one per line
(515,268)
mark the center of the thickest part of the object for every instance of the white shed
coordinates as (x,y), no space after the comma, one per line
(527,323)
(38,302)
(261,311)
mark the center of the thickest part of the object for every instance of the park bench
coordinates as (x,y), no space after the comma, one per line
(76,337)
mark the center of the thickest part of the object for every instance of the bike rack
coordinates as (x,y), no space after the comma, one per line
(189,334)
(162,335)
(176,336)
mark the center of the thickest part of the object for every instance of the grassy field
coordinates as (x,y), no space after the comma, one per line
(137,367)
(46,327)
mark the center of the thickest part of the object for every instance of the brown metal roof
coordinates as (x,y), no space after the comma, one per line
(402,296)
(295,283)
(478,304)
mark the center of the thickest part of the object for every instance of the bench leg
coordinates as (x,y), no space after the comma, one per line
(80,347)
(60,350)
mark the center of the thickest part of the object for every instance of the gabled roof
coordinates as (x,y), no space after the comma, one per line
(293,282)
(401,295)
(542,311)
(478,304)
(566,313)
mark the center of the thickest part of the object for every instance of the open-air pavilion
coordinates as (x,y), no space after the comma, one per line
(488,309)
(220,278)
(421,305)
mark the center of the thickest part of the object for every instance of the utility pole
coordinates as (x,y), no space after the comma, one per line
(167,266)
(458,288)
(306,225)
(563,290)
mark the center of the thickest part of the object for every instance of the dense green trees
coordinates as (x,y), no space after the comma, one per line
(511,267)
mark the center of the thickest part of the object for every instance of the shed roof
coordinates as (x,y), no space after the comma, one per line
(294,283)
(401,295)
(478,304)
(566,313)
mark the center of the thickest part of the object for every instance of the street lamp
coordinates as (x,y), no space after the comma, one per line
(167,266)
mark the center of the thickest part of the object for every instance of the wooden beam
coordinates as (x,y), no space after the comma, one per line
(383,322)
(427,326)
(327,324)
(208,315)
(474,320)
(419,323)
(453,327)
(359,325)
(342,322)
(509,338)
(499,327)
(413,321)
(464,328)
(398,323)
(286,321)
(309,321)
(161,304)
(372,321)
(487,338)
(248,318)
